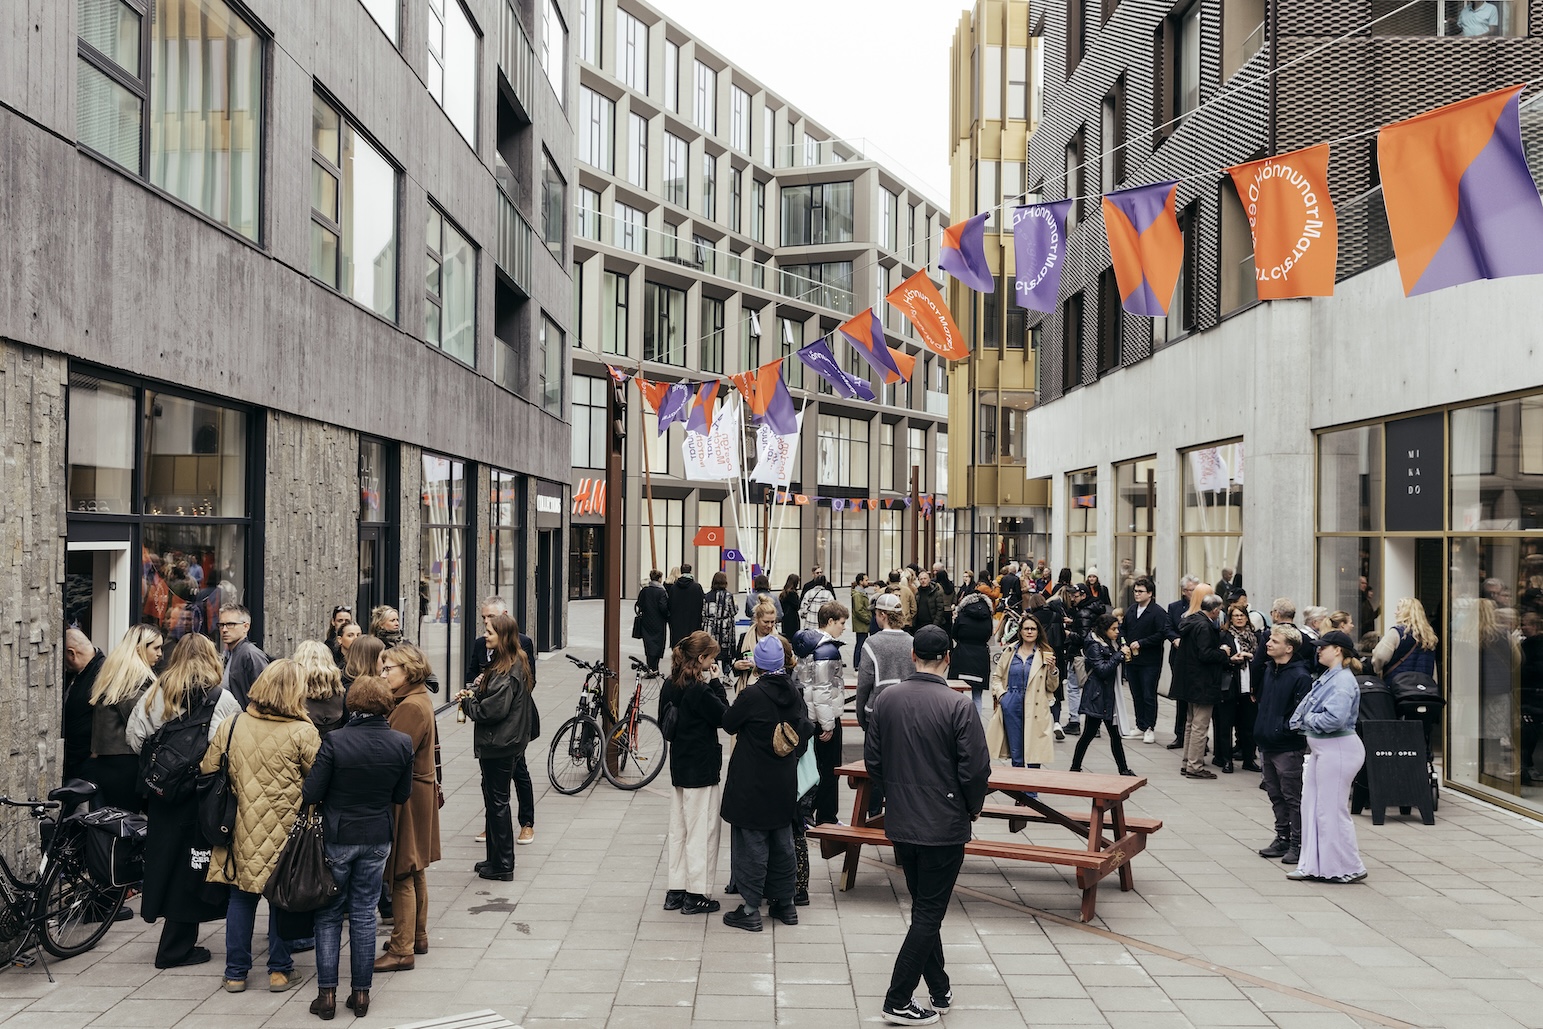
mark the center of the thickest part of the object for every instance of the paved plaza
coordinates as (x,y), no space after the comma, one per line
(1446,931)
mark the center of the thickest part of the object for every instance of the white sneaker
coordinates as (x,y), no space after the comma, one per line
(1060,733)
(1130,734)
(1149,736)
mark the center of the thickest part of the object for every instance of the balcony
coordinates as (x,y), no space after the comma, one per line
(516,58)
(514,235)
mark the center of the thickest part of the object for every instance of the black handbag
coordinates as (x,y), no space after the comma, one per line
(301,880)
(637,627)
(217,799)
(535,719)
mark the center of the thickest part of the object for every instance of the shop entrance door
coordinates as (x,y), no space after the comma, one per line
(97,589)
(549,599)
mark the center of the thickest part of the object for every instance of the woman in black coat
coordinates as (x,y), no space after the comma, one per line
(1103,660)
(788,603)
(653,611)
(1201,675)
(971,659)
(500,705)
(700,701)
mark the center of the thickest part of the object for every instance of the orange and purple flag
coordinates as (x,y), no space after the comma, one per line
(963,253)
(699,417)
(768,397)
(674,407)
(616,373)
(1146,245)
(919,300)
(1461,203)
(653,392)
(1296,236)
(867,336)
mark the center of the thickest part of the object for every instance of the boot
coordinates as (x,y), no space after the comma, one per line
(325,1006)
(673,899)
(392,963)
(359,1003)
(1293,854)
(1277,847)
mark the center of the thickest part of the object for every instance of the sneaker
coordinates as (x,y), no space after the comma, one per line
(1060,734)
(1130,734)
(696,904)
(783,911)
(801,899)
(1292,856)
(909,1013)
(739,918)
(1345,879)
(482,837)
(1073,729)
(1199,773)
(196,956)
(279,982)
(942,1002)
(1299,876)
(1176,744)
(234,985)
(1276,848)
(673,899)
(527,835)
(1149,737)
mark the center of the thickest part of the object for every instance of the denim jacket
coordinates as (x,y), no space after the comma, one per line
(1330,707)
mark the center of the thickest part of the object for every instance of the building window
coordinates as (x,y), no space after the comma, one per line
(739,119)
(828,284)
(704,107)
(1012,192)
(1073,180)
(889,220)
(704,254)
(986,194)
(1112,138)
(631,51)
(450,308)
(816,214)
(916,456)
(667,527)
(758,211)
(1017,83)
(589,31)
(736,200)
(792,342)
(709,187)
(991,85)
(596,129)
(1450,18)
(843,451)
(1013,440)
(385,14)
(378,505)
(811,150)
(987,424)
(841,543)
(1082,522)
(551,385)
(1239,288)
(887,456)
(1017,327)
(676,182)
(1076,34)
(769,137)
(637,152)
(554,205)
(589,214)
(506,525)
(940,472)
(712,335)
(353,212)
(452,67)
(1211,524)
(1178,50)
(1181,309)
(1135,526)
(631,228)
(613,314)
(671,77)
(664,324)
(591,438)
(910,235)
(1243,33)
(1111,321)
(1071,342)
(554,48)
(891,541)
(204,87)
(442,588)
(750,341)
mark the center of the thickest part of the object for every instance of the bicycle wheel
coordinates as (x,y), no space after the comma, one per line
(638,756)
(573,760)
(74,910)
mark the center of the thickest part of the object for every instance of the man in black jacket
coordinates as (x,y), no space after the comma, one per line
(686,600)
(476,662)
(1176,612)
(82,662)
(1143,631)
(1202,673)
(1012,588)
(926,743)
(1284,684)
(653,610)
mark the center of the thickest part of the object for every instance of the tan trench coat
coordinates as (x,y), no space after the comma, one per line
(415,845)
(1038,726)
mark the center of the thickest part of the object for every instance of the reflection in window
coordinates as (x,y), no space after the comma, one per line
(506,517)
(450,314)
(442,555)
(551,385)
(664,324)
(631,51)
(843,451)
(186,572)
(1135,526)
(1211,522)
(596,129)
(1081,522)
(353,212)
(1497,466)
(816,214)
(553,205)
(1350,482)
(554,48)
(452,67)
(101,445)
(195,458)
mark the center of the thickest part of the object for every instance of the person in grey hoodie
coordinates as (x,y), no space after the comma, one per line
(886,661)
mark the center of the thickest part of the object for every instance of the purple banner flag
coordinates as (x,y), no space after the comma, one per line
(675,406)
(963,253)
(733,555)
(1039,251)
(822,362)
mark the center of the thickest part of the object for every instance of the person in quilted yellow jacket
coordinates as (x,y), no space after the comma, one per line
(272,746)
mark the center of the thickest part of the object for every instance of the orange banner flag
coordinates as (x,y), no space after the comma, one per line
(653,392)
(1296,236)
(919,300)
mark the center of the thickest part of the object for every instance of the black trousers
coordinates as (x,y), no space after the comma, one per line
(1223,719)
(1090,733)
(1244,713)
(827,757)
(930,874)
(1180,718)
(496,776)
(177,941)
(524,793)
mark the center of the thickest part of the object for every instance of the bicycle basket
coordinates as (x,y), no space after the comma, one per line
(115,845)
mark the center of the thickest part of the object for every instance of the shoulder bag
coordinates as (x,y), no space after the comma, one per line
(217,797)
(301,880)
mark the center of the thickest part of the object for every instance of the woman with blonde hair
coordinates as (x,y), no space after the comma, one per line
(187,692)
(270,751)
(1409,645)
(415,832)
(323,686)
(1026,678)
(125,676)
(763,623)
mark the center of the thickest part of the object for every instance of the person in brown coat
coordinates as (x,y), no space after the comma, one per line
(415,843)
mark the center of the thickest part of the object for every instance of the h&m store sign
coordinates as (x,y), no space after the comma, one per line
(1415,468)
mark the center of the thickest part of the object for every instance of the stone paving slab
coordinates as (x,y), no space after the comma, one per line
(1443,933)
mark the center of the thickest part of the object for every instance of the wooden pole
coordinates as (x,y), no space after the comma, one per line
(648,478)
(916,514)
(615,513)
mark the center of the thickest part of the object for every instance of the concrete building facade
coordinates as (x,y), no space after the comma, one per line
(1349,451)
(283,322)
(720,228)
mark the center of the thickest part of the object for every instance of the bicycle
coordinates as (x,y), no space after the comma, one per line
(630,756)
(64,908)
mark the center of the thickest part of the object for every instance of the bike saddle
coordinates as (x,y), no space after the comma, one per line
(73,791)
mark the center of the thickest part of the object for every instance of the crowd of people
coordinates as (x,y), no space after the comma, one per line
(345,726)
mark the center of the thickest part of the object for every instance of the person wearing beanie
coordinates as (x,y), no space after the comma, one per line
(771,729)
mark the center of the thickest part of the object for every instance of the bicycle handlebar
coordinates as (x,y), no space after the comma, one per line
(8,802)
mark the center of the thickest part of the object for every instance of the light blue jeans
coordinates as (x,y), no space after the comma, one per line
(357,868)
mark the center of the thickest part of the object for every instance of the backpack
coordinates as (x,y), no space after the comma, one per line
(669,718)
(169,761)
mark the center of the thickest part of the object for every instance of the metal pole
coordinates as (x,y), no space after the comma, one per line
(615,513)
(648,478)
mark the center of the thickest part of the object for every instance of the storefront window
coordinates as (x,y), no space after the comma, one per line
(101,424)
(1349,580)
(189,570)
(1497,466)
(195,458)
(586,553)
(668,536)
(1350,480)
(506,524)
(1081,522)
(842,543)
(1211,528)
(1135,526)
(442,552)
(890,523)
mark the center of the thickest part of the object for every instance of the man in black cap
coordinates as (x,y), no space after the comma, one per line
(926,741)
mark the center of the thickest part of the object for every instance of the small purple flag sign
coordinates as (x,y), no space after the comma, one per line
(1039,252)
(963,253)
(676,405)
(822,362)
(733,555)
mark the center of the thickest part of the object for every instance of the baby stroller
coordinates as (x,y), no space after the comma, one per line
(1418,698)
(1377,705)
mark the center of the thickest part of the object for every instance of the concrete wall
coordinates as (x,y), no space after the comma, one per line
(32,385)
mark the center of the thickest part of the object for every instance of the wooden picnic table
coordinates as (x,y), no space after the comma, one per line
(1110,838)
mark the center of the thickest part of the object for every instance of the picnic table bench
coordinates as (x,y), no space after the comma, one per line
(1111,838)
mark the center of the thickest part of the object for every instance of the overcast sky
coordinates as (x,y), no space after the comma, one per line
(865,69)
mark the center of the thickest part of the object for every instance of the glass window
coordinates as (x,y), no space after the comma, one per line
(189,570)
(828,284)
(811,150)
(704,108)
(452,65)
(631,228)
(596,129)
(554,205)
(195,456)
(1073,181)
(916,455)
(676,181)
(709,187)
(841,543)
(769,137)
(1186,60)
(589,31)
(1211,523)
(668,532)
(506,519)
(1017,83)
(887,456)
(739,119)
(442,553)
(736,200)
(101,445)
(1350,480)
(843,451)
(664,324)
(551,384)
(631,51)
(1081,522)
(637,155)
(708,512)
(372,481)
(940,472)
(991,84)
(450,311)
(712,335)
(891,540)
(1135,525)
(353,212)
(817,214)
(589,422)
(988,431)
(589,217)
(613,314)
(671,77)
(889,220)
(1497,466)
(1014,438)
(554,48)
(758,211)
